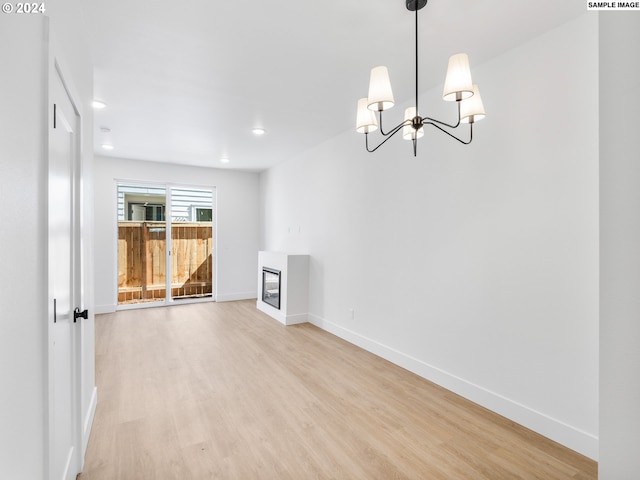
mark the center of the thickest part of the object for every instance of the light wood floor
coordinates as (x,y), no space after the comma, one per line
(222,391)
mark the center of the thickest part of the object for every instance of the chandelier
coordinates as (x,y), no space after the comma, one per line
(458,87)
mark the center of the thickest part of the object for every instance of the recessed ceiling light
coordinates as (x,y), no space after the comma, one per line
(105,142)
(98,104)
(258,131)
(224,160)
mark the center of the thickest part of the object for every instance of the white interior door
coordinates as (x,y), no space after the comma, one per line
(64,261)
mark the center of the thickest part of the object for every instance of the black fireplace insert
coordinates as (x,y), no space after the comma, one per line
(271,287)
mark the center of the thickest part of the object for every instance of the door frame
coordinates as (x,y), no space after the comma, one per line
(168,300)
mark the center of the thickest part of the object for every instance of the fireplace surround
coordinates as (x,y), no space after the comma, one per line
(283,286)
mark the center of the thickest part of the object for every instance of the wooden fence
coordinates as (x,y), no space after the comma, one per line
(142,273)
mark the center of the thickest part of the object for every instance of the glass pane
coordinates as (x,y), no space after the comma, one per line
(141,244)
(271,287)
(191,243)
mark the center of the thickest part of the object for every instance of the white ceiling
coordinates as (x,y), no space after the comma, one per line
(186,81)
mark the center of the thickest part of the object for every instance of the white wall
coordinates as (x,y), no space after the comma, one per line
(477,266)
(24,47)
(620,246)
(236,223)
(23,343)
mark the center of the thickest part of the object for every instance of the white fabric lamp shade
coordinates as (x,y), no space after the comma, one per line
(365,119)
(408,132)
(471,109)
(380,93)
(458,84)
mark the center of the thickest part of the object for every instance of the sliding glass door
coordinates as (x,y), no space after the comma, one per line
(191,243)
(157,267)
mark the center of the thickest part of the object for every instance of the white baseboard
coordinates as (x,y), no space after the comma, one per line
(571,437)
(285,319)
(232,297)
(88,421)
(296,319)
(271,311)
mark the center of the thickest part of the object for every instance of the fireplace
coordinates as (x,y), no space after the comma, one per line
(282,284)
(271,287)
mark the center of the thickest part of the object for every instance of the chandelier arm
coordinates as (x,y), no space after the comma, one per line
(389,135)
(380,124)
(393,130)
(433,120)
(452,135)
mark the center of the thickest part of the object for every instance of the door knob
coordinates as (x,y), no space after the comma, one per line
(80,314)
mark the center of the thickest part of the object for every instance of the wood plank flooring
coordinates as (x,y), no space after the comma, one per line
(222,391)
